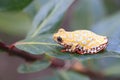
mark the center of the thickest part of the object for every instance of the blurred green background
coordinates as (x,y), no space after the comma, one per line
(16,15)
(100,16)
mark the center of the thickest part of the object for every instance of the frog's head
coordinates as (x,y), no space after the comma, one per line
(59,37)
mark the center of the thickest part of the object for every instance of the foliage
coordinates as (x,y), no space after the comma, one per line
(13,4)
(47,20)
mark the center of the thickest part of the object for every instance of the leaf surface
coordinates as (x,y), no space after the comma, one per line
(34,67)
(48,18)
(110,27)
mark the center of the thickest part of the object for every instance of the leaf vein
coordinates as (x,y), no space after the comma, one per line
(33,43)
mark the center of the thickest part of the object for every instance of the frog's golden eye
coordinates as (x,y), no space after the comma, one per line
(59,39)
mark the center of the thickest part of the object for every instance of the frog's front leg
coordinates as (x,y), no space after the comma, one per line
(70,47)
(66,50)
(67,47)
(73,48)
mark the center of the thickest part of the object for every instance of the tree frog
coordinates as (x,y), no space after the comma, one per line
(80,41)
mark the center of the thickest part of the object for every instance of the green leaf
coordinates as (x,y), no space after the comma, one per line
(33,67)
(49,16)
(53,77)
(15,23)
(38,45)
(45,44)
(63,75)
(113,70)
(50,76)
(86,13)
(70,75)
(108,66)
(110,27)
(45,22)
(34,7)
(13,4)
(68,55)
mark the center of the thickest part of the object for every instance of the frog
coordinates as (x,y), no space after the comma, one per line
(80,41)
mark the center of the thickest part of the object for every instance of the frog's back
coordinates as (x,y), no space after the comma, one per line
(88,39)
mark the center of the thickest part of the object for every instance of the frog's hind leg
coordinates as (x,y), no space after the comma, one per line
(79,50)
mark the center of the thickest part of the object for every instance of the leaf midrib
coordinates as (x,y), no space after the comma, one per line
(44,22)
(37,43)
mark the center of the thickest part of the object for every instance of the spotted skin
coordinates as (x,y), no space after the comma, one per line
(80,41)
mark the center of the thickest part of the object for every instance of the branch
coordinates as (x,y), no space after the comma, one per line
(12,50)
(76,66)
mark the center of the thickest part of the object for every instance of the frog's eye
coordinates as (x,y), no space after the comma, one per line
(59,39)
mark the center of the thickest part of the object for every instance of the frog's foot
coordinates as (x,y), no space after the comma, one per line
(66,50)
(79,51)
(63,50)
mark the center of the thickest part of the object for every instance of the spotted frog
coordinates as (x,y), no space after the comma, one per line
(80,41)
